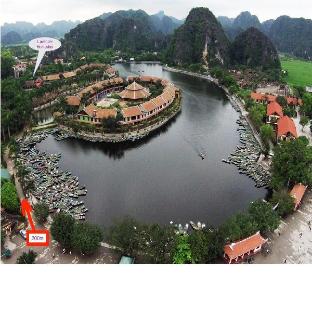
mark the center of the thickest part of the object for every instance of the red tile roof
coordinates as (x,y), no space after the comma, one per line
(73,100)
(148,106)
(101,113)
(131,111)
(297,192)
(256,96)
(242,247)
(286,125)
(270,98)
(134,92)
(274,108)
(293,101)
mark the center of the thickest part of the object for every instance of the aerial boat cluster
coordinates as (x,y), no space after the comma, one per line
(246,155)
(60,190)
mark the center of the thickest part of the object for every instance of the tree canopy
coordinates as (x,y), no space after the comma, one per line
(62,229)
(27,257)
(86,238)
(183,252)
(292,163)
(41,212)
(9,198)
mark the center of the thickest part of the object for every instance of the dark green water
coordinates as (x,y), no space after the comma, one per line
(162,178)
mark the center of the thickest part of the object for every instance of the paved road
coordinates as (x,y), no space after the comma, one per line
(293,240)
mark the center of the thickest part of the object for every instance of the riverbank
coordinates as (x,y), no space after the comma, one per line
(247,157)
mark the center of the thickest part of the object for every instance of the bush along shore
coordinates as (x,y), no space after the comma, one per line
(246,155)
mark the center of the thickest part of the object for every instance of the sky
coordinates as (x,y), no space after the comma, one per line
(47,11)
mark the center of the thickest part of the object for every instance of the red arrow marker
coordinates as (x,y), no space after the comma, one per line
(34,237)
(26,212)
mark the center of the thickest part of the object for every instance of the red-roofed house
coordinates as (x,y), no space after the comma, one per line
(270,98)
(293,101)
(274,112)
(297,193)
(238,251)
(257,97)
(286,129)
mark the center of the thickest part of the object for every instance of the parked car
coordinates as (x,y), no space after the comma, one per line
(23,233)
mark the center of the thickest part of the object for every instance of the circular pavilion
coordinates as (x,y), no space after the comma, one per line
(134,92)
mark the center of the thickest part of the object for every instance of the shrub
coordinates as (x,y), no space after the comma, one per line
(9,198)
(41,212)
(27,257)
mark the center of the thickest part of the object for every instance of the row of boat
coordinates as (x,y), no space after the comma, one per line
(246,155)
(60,190)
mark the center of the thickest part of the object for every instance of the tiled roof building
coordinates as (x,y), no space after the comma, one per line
(238,251)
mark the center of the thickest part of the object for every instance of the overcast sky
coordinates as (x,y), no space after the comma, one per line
(47,11)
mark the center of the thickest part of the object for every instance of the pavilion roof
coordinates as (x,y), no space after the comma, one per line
(134,92)
(131,111)
(274,108)
(243,246)
(297,193)
(73,100)
(286,125)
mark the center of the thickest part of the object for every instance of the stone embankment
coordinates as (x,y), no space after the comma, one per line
(119,137)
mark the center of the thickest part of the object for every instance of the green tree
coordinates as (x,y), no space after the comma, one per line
(86,238)
(264,216)
(109,123)
(281,100)
(292,163)
(206,245)
(267,134)
(9,198)
(125,234)
(62,229)
(183,252)
(41,212)
(257,114)
(27,257)
(158,243)
(306,108)
(304,120)
(284,201)
(7,62)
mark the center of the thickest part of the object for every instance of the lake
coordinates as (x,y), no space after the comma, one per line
(162,178)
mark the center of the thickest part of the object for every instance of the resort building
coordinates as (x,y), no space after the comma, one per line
(152,107)
(102,88)
(98,93)
(93,114)
(293,101)
(73,100)
(58,60)
(267,98)
(243,249)
(274,112)
(286,129)
(19,69)
(134,92)
(297,193)
(111,72)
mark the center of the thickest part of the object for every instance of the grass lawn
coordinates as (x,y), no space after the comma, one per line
(299,72)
